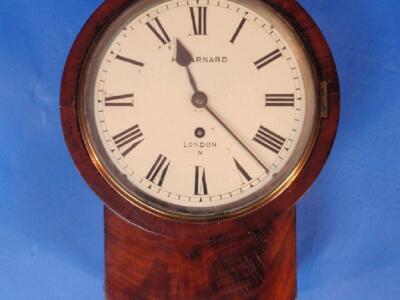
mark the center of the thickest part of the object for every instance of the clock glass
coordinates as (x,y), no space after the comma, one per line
(198,109)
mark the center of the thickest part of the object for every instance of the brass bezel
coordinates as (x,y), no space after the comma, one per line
(223,216)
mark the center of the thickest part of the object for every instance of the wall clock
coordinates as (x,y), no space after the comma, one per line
(200,123)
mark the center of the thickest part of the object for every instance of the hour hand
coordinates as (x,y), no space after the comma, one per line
(183,57)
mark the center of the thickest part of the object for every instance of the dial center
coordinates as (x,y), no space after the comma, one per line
(199,99)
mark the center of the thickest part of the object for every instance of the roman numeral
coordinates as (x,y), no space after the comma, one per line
(235,35)
(267,59)
(242,171)
(158,170)
(120,100)
(128,139)
(159,32)
(279,100)
(200,183)
(128,60)
(199,23)
(269,139)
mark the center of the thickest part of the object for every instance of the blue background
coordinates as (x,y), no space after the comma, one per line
(51,238)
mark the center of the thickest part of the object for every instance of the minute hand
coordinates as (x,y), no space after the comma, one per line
(184,58)
(237,138)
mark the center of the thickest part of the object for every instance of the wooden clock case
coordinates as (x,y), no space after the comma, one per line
(252,256)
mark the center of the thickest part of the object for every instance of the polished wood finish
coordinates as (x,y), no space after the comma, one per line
(148,257)
(325,67)
(258,265)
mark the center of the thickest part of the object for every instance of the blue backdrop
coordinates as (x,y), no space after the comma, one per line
(51,238)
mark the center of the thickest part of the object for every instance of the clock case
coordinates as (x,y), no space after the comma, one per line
(247,257)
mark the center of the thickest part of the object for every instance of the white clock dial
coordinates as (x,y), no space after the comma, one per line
(199,107)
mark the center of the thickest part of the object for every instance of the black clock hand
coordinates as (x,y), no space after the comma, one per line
(237,138)
(184,58)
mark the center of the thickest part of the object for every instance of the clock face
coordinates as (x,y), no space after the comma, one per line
(198,108)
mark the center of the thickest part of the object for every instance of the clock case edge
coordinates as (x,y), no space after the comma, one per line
(318,51)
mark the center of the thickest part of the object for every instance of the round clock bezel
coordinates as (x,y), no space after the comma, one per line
(174,211)
(159,221)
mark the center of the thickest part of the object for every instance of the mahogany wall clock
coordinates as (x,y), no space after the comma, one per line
(200,123)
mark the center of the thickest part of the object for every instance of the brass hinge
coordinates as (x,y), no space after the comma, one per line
(324,99)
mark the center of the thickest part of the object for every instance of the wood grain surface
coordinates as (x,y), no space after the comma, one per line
(146,266)
(249,257)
